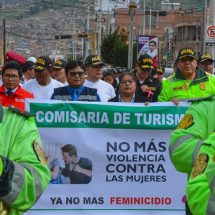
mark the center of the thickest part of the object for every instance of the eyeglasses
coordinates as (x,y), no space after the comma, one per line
(11,77)
(127,81)
(74,74)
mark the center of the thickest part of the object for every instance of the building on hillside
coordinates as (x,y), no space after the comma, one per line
(175,29)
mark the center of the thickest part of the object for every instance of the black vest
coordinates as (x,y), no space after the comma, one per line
(87,94)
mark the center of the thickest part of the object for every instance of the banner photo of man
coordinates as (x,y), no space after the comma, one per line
(148,45)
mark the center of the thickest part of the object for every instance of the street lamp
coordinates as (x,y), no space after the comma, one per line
(132,6)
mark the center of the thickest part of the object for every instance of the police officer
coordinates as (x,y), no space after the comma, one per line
(147,86)
(188,81)
(23,171)
(58,72)
(205,62)
(192,151)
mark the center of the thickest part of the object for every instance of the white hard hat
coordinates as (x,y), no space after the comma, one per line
(32,59)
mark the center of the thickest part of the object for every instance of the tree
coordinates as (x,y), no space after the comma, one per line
(114,51)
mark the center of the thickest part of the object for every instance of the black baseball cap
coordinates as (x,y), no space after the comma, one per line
(94,60)
(204,57)
(59,64)
(43,62)
(27,65)
(186,52)
(145,62)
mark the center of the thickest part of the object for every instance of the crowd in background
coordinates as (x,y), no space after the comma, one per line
(92,80)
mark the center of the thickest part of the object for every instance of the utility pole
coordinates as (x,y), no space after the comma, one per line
(84,40)
(73,36)
(204,26)
(99,28)
(143,10)
(212,22)
(150,21)
(87,30)
(4,39)
(132,6)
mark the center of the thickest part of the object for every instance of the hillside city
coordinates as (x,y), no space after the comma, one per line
(35,27)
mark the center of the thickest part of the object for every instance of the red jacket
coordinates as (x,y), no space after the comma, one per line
(16,99)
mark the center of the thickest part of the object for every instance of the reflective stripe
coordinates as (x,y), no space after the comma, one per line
(63,97)
(87,97)
(38,186)
(4,210)
(16,184)
(211,202)
(178,142)
(18,180)
(196,151)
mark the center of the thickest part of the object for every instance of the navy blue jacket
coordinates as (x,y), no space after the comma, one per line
(87,94)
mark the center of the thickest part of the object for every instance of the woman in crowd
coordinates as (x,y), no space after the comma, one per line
(127,90)
(109,77)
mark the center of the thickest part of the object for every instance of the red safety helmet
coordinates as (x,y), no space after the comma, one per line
(10,55)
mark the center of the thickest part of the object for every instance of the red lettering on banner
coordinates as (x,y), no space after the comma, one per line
(140,200)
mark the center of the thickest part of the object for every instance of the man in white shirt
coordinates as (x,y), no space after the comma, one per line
(58,72)
(28,71)
(93,66)
(43,85)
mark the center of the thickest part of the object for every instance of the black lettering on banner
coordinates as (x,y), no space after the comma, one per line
(116,178)
(123,147)
(136,162)
(145,178)
(138,147)
(93,200)
(72,200)
(56,200)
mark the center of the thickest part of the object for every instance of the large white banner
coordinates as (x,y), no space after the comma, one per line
(122,164)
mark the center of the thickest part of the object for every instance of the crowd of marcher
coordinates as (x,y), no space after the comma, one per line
(92,80)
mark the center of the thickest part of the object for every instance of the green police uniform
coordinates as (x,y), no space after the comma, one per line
(23,171)
(176,87)
(192,151)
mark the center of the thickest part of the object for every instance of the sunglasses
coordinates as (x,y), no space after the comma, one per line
(39,70)
(97,66)
(74,74)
